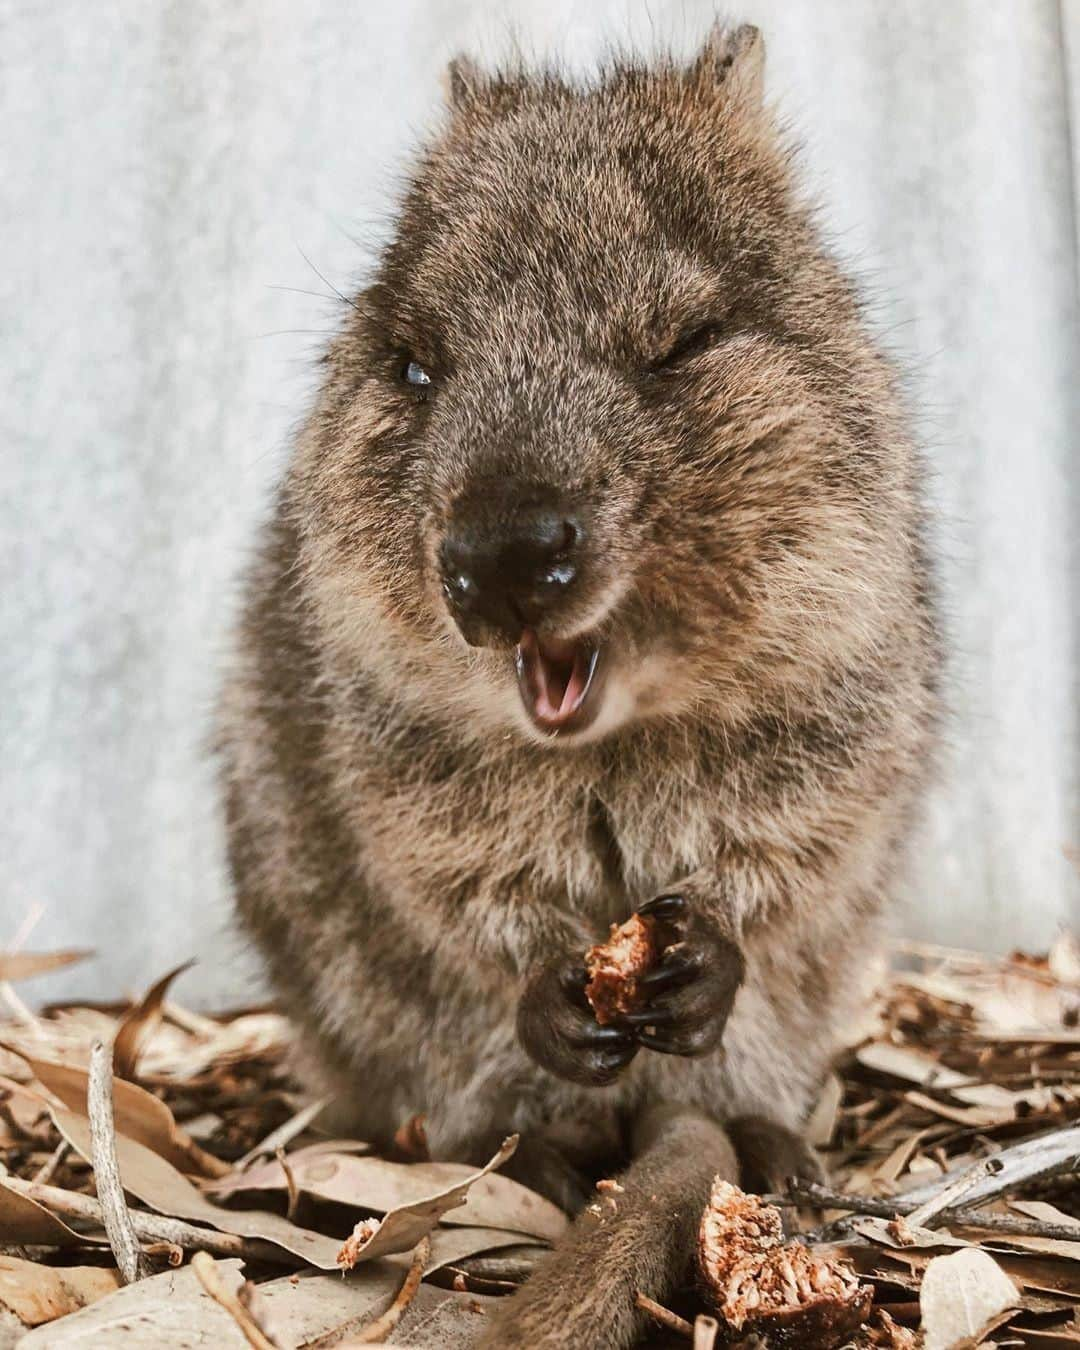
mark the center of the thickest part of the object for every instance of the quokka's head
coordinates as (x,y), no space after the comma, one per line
(604,442)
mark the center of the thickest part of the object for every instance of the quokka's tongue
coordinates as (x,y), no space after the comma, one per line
(554,678)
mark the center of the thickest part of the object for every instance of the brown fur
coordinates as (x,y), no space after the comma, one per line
(406,848)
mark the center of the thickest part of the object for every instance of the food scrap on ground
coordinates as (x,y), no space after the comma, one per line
(951,1136)
(784,1291)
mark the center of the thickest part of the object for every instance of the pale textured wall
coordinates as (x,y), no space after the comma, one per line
(163,167)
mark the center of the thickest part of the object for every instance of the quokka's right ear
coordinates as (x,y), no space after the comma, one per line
(733,59)
(462,82)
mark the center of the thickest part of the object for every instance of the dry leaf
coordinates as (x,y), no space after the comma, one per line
(962,1297)
(154,1181)
(977,1117)
(451,1245)
(316,1304)
(402,1228)
(1042,1275)
(173,1309)
(138,1113)
(36,1293)
(1025,1242)
(163,1310)
(899,1235)
(25,1222)
(917,1066)
(821,1125)
(158,1184)
(381,1185)
(15,966)
(138,1022)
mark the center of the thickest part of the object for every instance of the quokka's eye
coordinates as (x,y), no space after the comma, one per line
(414,373)
(693,342)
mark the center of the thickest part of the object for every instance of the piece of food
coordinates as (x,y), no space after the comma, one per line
(355,1243)
(615,967)
(736,1229)
(781,1290)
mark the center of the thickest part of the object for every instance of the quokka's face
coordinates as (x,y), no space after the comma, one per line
(579,442)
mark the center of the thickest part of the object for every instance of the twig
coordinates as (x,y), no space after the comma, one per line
(384,1325)
(19,1011)
(18,1008)
(284,1134)
(151,1227)
(664,1316)
(705,1332)
(1047,1155)
(821,1197)
(961,1185)
(205,1267)
(376,1332)
(172,1253)
(130,1261)
(47,1170)
(31,919)
(290,1182)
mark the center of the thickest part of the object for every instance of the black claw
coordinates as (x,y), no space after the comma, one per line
(688,1046)
(613,1062)
(649,1017)
(666,908)
(590,1034)
(661,1043)
(677,966)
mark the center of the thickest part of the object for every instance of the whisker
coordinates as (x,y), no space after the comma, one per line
(295,332)
(298,290)
(326,281)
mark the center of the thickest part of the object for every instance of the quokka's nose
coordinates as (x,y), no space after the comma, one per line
(509,556)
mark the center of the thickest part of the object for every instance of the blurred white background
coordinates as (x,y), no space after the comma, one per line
(167,168)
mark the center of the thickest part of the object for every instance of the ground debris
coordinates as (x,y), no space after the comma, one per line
(783,1291)
(957,1105)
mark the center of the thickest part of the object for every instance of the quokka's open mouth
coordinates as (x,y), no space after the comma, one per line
(559,682)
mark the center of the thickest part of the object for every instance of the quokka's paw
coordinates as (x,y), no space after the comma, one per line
(556,1026)
(689,993)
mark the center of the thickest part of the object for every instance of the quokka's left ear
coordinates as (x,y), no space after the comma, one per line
(733,59)
(468,88)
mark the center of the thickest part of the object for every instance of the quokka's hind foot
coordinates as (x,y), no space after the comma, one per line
(639,1236)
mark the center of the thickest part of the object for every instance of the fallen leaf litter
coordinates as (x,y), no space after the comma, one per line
(951,1134)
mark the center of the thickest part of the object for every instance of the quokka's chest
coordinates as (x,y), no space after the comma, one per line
(597,841)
